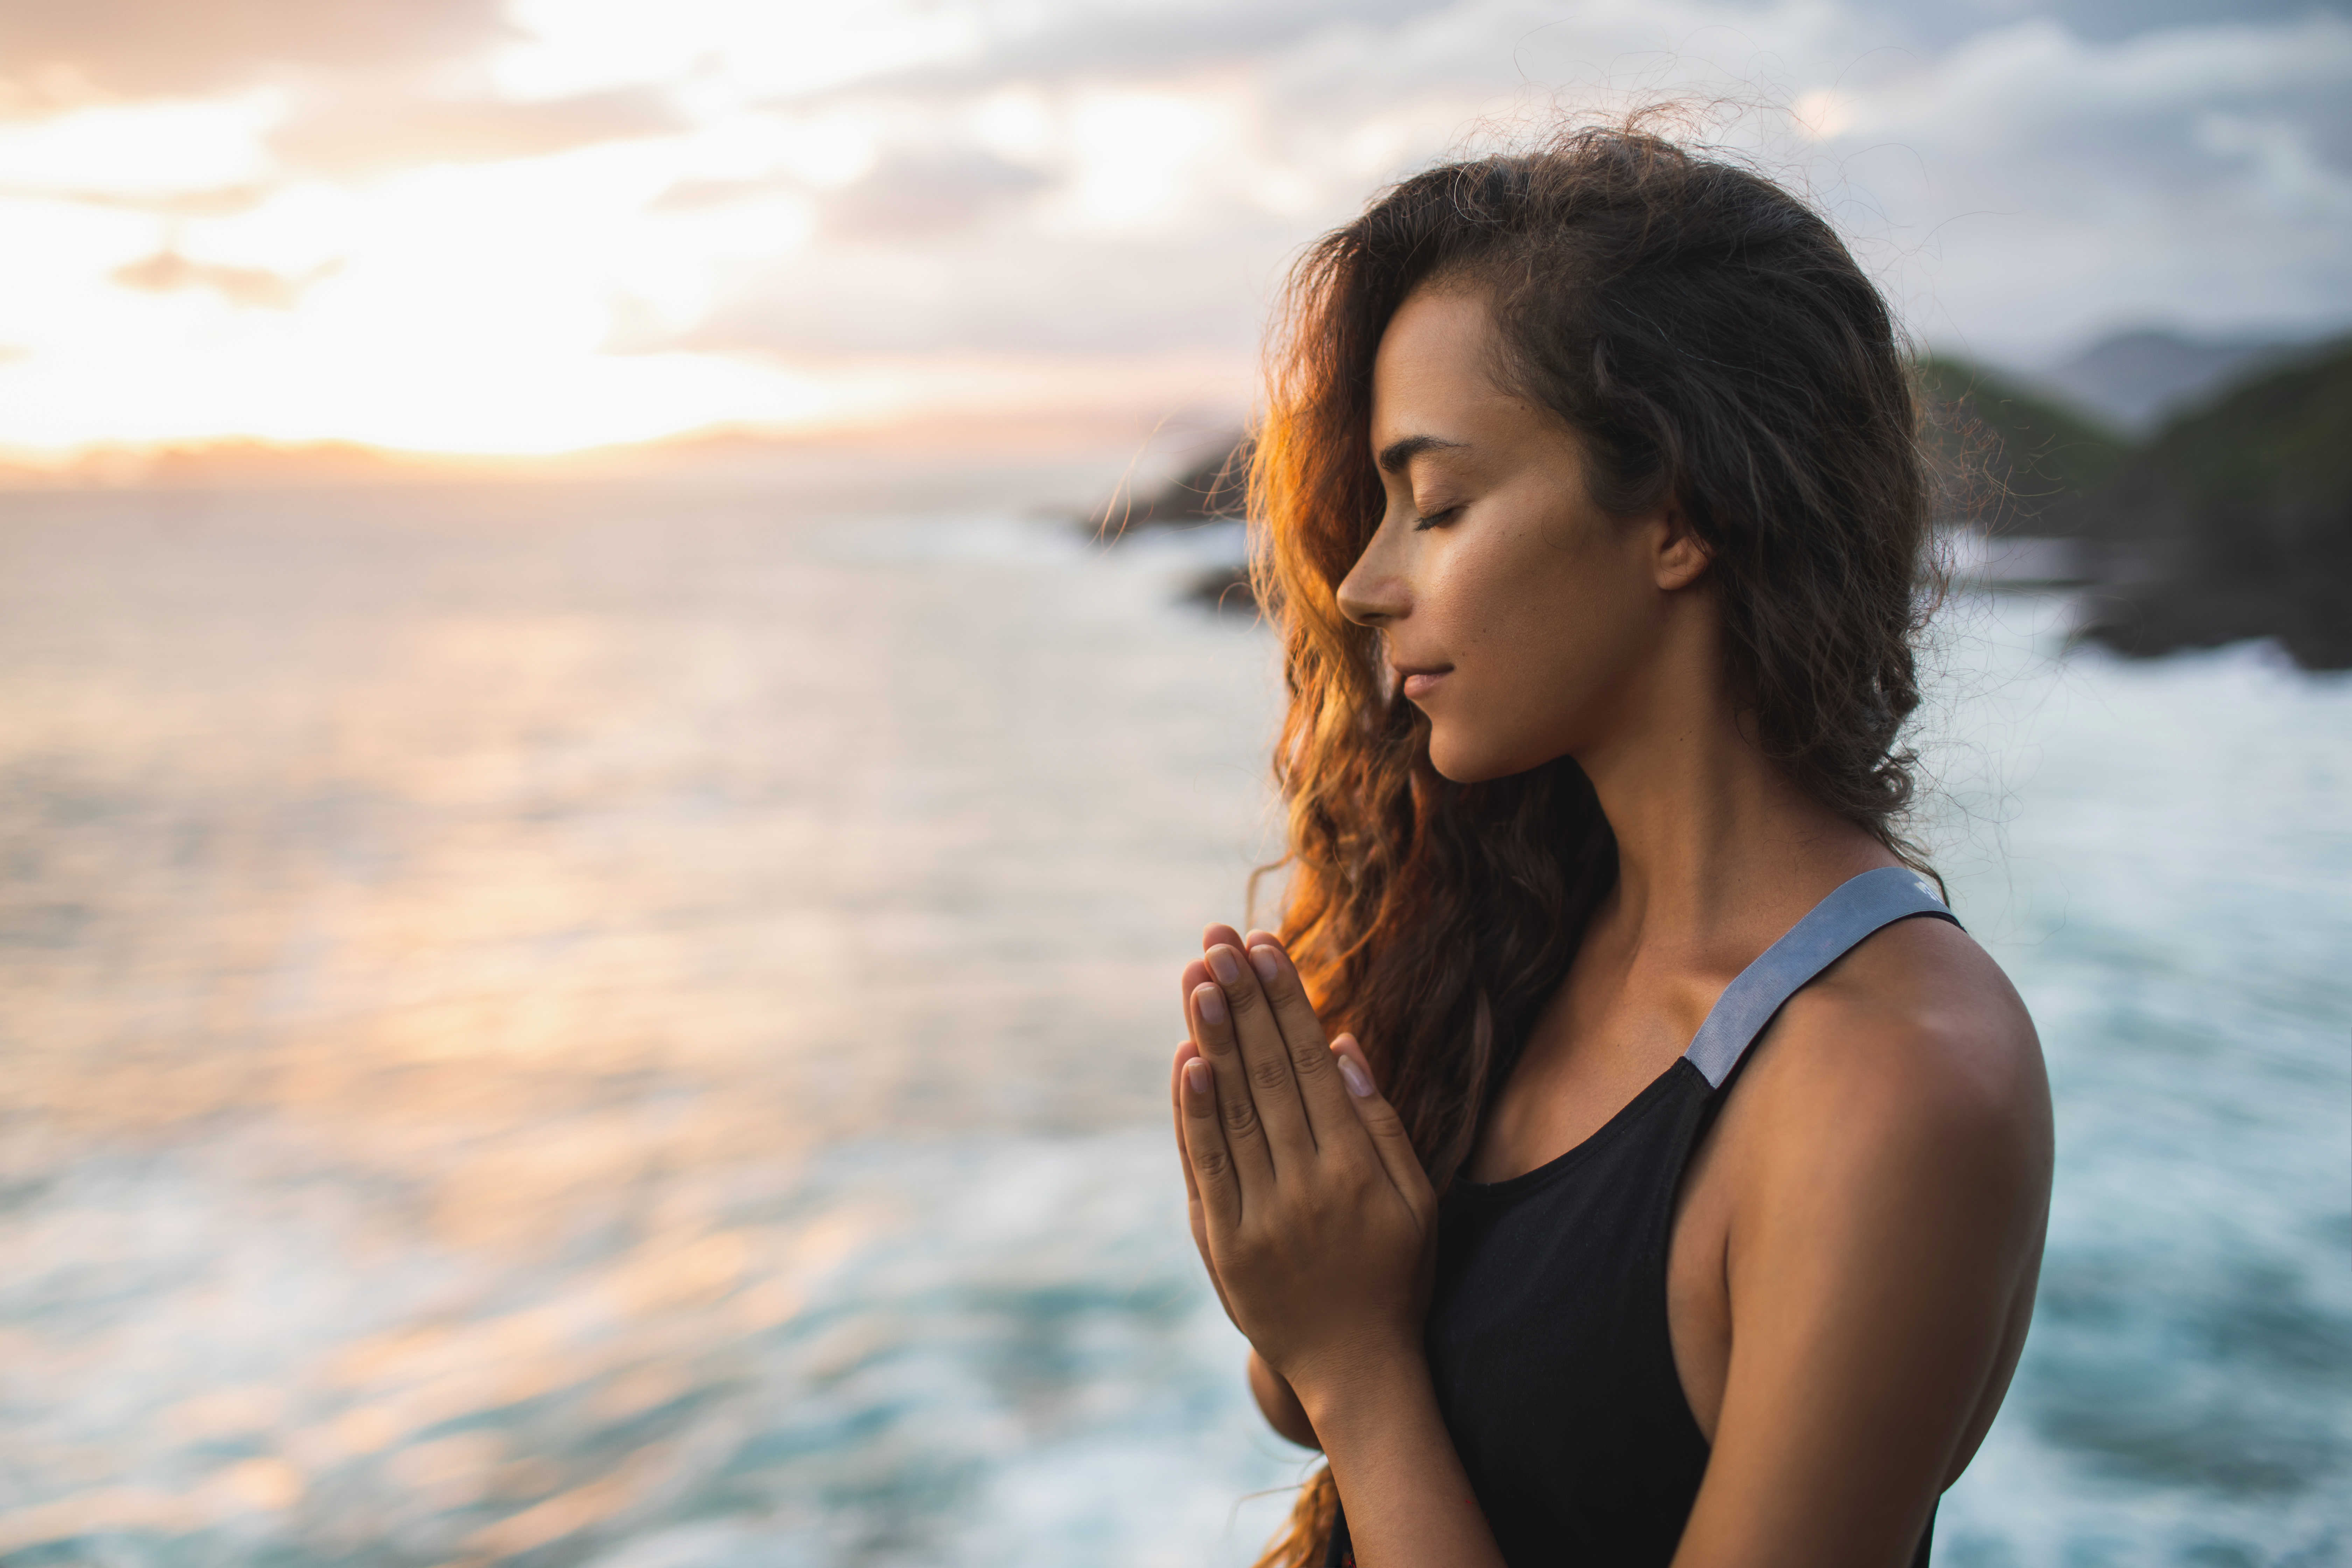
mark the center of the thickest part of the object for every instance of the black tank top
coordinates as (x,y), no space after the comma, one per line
(1547,1335)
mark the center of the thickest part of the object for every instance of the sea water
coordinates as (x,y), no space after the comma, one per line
(629,1026)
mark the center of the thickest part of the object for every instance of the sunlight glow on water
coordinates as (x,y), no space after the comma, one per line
(629,1027)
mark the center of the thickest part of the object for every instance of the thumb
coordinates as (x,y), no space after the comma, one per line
(1380,1120)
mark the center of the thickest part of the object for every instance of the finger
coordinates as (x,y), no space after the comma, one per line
(1195,1218)
(1387,1131)
(1196,974)
(1218,934)
(1205,1149)
(1273,1078)
(1246,1137)
(1186,1052)
(1329,1113)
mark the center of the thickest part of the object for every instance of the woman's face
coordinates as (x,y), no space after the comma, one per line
(1523,621)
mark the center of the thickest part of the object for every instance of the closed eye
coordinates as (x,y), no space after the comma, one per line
(1437,519)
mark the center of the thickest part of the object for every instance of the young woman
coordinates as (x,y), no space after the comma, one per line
(1619,1157)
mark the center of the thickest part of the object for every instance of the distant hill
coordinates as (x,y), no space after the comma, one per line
(1214,485)
(926,451)
(2134,380)
(1209,498)
(2007,457)
(2246,506)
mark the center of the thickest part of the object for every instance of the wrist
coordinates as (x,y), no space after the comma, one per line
(1278,1403)
(1358,1383)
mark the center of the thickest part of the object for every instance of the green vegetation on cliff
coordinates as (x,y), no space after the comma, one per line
(2249,478)
(2245,506)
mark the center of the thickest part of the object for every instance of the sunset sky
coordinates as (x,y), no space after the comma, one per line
(527,226)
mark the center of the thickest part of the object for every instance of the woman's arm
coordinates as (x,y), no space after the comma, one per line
(1881,1244)
(1318,1225)
(1279,1404)
(1409,1501)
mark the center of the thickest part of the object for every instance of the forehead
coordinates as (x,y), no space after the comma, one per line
(1435,372)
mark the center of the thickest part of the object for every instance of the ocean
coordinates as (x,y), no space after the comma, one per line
(627,1025)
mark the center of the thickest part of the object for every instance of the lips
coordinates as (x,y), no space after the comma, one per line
(1418,683)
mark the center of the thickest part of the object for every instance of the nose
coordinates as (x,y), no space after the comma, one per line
(1373,593)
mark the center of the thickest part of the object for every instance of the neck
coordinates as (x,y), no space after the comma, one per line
(1716,845)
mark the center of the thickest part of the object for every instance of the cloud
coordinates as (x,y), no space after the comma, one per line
(770,196)
(931,193)
(343,89)
(349,136)
(2019,189)
(701,196)
(1127,39)
(218,200)
(2044,187)
(128,155)
(247,287)
(2113,21)
(60,52)
(1021,294)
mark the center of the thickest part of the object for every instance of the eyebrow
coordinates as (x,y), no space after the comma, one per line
(1393,457)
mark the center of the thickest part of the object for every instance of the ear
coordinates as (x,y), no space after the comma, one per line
(1681,557)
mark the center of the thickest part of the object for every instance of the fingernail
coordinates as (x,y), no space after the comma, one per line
(1210,1003)
(1359,1081)
(1196,1077)
(1262,959)
(1222,965)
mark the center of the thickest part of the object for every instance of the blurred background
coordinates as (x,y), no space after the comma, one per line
(595,836)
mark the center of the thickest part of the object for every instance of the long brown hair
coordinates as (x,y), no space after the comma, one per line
(1713,343)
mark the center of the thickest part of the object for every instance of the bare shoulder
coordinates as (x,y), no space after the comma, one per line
(1913,1050)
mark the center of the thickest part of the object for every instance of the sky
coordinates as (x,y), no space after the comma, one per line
(539,226)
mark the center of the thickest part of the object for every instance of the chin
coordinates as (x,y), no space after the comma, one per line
(1470,764)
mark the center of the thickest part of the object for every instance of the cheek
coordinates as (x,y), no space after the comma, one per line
(1511,612)
(1537,634)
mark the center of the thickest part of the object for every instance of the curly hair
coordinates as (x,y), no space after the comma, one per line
(1714,345)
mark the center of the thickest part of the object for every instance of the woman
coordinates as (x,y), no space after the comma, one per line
(1619,1157)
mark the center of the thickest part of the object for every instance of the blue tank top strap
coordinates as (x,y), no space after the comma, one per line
(1856,909)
